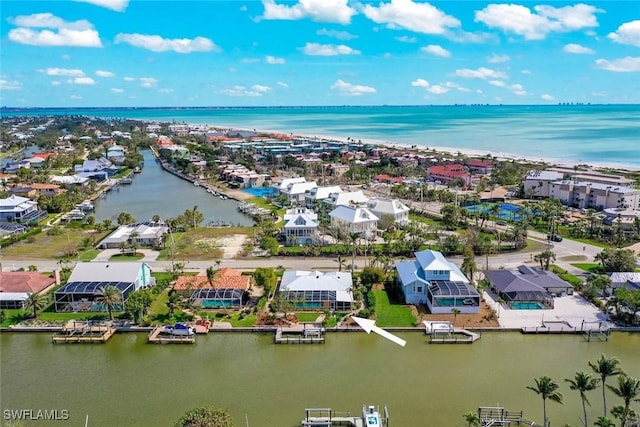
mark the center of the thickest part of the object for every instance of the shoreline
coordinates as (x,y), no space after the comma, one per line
(428,149)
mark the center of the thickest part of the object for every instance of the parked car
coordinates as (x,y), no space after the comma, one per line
(554,237)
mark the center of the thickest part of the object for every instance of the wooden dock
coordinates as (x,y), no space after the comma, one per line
(459,336)
(307,333)
(75,332)
(591,330)
(326,417)
(157,336)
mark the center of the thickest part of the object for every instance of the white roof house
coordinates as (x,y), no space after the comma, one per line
(16,208)
(296,191)
(347,198)
(148,233)
(398,210)
(301,226)
(321,193)
(69,179)
(314,289)
(290,214)
(354,220)
(283,183)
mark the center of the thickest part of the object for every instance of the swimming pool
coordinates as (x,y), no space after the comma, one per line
(261,191)
(506,211)
(529,305)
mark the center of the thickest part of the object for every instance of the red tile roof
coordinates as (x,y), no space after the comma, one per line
(479,163)
(225,278)
(456,171)
(25,281)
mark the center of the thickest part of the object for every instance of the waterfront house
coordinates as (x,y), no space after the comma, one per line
(116,153)
(88,278)
(296,192)
(283,183)
(479,167)
(354,220)
(390,207)
(15,287)
(627,280)
(346,198)
(228,288)
(314,290)
(20,209)
(301,226)
(438,283)
(595,195)
(69,179)
(527,287)
(144,234)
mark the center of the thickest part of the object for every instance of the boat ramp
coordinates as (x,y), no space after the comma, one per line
(305,333)
(445,333)
(86,331)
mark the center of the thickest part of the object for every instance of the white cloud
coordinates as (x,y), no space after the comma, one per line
(249,60)
(495,58)
(81,81)
(129,79)
(577,49)
(418,17)
(282,84)
(68,72)
(436,50)
(543,20)
(57,32)
(148,82)
(627,64)
(340,35)
(420,83)
(117,5)
(627,33)
(55,83)
(102,73)
(516,88)
(117,90)
(317,10)
(165,90)
(157,43)
(75,97)
(437,89)
(525,72)
(480,73)
(348,89)
(273,60)
(547,97)
(261,88)
(239,90)
(406,39)
(10,85)
(317,49)
(498,83)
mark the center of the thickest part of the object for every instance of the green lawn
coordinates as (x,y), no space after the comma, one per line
(391,314)
(424,219)
(307,316)
(120,257)
(88,255)
(587,266)
(246,322)
(43,245)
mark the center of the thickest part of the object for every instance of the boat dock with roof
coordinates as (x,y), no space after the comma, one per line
(85,331)
(441,332)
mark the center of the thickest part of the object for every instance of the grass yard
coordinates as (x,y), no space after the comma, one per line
(589,267)
(392,314)
(120,257)
(200,243)
(43,245)
(245,322)
(307,316)
(424,219)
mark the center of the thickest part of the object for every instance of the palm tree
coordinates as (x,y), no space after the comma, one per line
(604,422)
(36,302)
(471,419)
(109,297)
(353,237)
(605,367)
(583,382)
(547,389)
(210,275)
(455,312)
(173,301)
(340,261)
(628,389)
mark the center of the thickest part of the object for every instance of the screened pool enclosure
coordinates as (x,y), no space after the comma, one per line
(81,296)
(218,298)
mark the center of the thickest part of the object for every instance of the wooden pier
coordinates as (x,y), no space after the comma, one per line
(307,333)
(498,416)
(441,332)
(157,336)
(327,417)
(84,332)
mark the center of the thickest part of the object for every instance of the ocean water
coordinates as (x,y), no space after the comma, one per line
(594,134)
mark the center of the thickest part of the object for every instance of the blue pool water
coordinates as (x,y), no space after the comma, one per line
(261,191)
(527,306)
(507,211)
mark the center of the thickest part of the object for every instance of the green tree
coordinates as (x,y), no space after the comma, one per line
(266,279)
(205,416)
(341,262)
(547,389)
(137,304)
(211,273)
(371,275)
(471,419)
(35,302)
(270,244)
(455,312)
(628,390)
(109,297)
(617,260)
(604,422)
(450,216)
(597,284)
(469,266)
(582,383)
(605,367)
(173,301)
(353,238)
(125,218)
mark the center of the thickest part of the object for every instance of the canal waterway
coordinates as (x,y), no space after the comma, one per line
(156,191)
(127,382)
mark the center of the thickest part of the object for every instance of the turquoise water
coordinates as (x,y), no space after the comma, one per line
(526,306)
(596,133)
(507,211)
(260,191)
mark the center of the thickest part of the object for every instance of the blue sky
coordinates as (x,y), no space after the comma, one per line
(317,52)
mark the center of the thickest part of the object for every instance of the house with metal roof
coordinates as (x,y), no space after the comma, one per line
(318,194)
(20,209)
(89,278)
(438,283)
(314,290)
(628,280)
(296,191)
(354,220)
(391,207)
(527,287)
(347,198)
(301,226)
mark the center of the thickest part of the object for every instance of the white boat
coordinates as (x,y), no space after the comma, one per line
(179,329)
(196,183)
(137,169)
(371,417)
